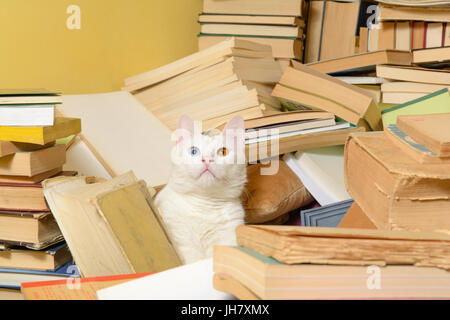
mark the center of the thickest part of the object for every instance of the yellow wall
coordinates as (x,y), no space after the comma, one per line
(117,39)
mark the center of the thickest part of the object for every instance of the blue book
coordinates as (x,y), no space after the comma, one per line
(13,278)
(328,216)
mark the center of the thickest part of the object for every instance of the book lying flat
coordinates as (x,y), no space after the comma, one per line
(387,13)
(50,258)
(346,246)
(431,55)
(10,147)
(36,115)
(255,7)
(28,96)
(34,230)
(62,128)
(270,279)
(414,74)
(36,178)
(16,277)
(22,197)
(363,61)
(437,102)
(430,130)
(226,283)
(251,19)
(82,289)
(255,30)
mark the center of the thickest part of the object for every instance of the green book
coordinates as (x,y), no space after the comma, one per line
(436,102)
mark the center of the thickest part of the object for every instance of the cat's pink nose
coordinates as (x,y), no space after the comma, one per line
(206,159)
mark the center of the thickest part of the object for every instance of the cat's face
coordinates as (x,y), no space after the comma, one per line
(213,160)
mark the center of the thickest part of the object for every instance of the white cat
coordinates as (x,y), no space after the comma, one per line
(201,204)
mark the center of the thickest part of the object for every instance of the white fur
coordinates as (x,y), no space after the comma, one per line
(199,209)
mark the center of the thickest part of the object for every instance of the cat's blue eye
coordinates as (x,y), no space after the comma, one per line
(194,151)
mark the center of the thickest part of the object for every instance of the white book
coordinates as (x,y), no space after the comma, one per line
(342,125)
(321,171)
(362,80)
(188,282)
(27,115)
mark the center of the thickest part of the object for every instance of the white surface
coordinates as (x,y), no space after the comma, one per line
(189,282)
(27,116)
(362,80)
(322,172)
(125,134)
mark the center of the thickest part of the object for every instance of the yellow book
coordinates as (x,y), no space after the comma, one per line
(63,127)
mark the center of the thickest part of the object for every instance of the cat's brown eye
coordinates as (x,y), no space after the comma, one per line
(222,152)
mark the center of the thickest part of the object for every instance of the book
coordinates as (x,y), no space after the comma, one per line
(314,30)
(389,13)
(251,19)
(325,216)
(356,218)
(34,230)
(122,232)
(341,246)
(436,102)
(321,171)
(373,37)
(434,35)
(363,40)
(362,62)
(225,48)
(400,97)
(419,3)
(11,147)
(62,128)
(29,115)
(411,87)
(50,258)
(28,97)
(414,149)
(403,36)
(10,293)
(431,55)
(133,123)
(275,147)
(270,279)
(226,283)
(361,80)
(22,197)
(255,7)
(31,163)
(36,178)
(316,90)
(414,74)
(250,29)
(192,281)
(16,277)
(393,189)
(418,34)
(429,130)
(282,47)
(386,36)
(339,42)
(79,289)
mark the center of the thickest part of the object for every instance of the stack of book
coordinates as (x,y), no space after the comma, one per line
(234,77)
(29,235)
(291,262)
(278,23)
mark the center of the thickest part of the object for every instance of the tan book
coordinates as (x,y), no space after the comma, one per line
(363,39)
(34,230)
(249,113)
(363,61)
(411,87)
(269,279)
(356,218)
(430,130)
(432,54)
(281,47)
(414,74)
(34,179)
(339,42)
(446,40)
(315,89)
(313,32)
(31,163)
(389,13)
(223,49)
(251,19)
(401,97)
(10,294)
(386,36)
(255,7)
(373,89)
(403,35)
(396,191)
(253,30)
(346,246)
(50,258)
(418,35)
(374,33)
(10,147)
(226,283)
(22,197)
(434,35)
(121,229)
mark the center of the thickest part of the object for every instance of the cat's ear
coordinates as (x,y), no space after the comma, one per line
(185,129)
(235,129)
